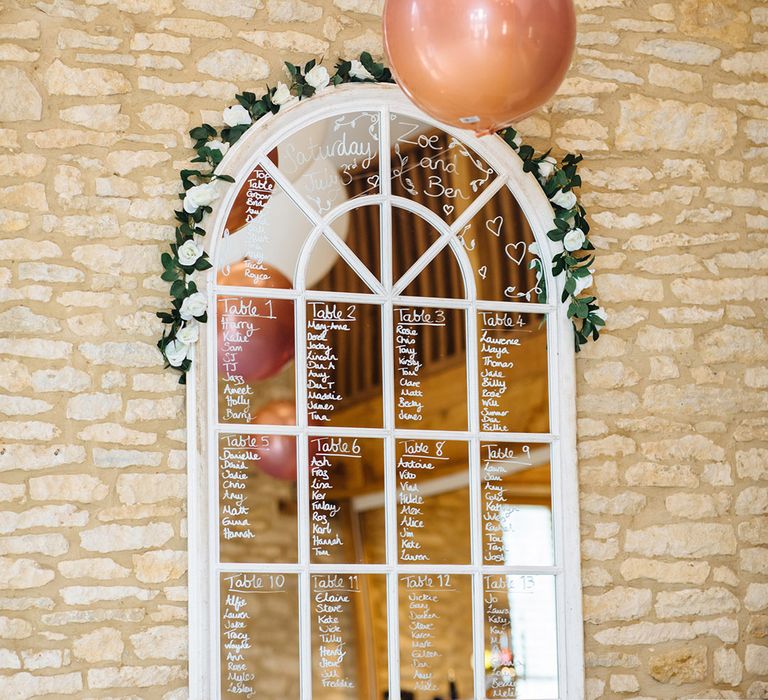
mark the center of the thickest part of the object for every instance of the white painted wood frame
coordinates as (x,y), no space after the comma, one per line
(202,427)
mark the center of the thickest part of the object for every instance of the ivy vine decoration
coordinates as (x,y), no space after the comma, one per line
(186,257)
(558,180)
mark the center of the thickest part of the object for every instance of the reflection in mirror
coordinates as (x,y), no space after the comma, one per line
(257,498)
(341,275)
(435,645)
(412,237)
(343,356)
(259,636)
(349,663)
(516,495)
(441,278)
(360,229)
(263,236)
(520,637)
(340,471)
(433,501)
(498,242)
(434,169)
(429,345)
(255,350)
(512,372)
(333,160)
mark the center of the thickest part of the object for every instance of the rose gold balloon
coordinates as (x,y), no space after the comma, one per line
(279,461)
(479,64)
(271,347)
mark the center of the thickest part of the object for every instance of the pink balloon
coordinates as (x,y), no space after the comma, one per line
(279,461)
(479,64)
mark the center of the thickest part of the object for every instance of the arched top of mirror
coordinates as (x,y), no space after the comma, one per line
(324,186)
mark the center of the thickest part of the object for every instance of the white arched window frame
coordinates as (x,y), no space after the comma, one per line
(253,148)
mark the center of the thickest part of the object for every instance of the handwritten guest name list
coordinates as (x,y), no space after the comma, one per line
(417,458)
(497,339)
(326,535)
(334,602)
(324,319)
(410,394)
(425,593)
(502,680)
(239,320)
(240,629)
(238,457)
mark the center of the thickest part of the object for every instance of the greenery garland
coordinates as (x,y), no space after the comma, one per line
(186,256)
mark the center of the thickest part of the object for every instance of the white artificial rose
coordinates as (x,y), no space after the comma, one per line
(574,240)
(236,115)
(194,305)
(517,141)
(582,283)
(218,145)
(176,352)
(318,77)
(547,169)
(190,333)
(359,71)
(189,253)
(282,94)
(565,200)
(199,196)
(533,249)
(600,313)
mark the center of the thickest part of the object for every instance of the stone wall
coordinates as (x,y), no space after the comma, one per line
(669,104)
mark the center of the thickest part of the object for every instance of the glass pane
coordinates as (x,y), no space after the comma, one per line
(263,236)
(520,637)
(259,636)
(327,270)
(334,159)
(255,346)
(412,236)
(516,504)
(430,368)
(498,242)
(344,364)
(440,278)
(257,498)
(512,351)
(433,502)
(436,636)
(434,169)
(360,229)
(342,470)
(347,663)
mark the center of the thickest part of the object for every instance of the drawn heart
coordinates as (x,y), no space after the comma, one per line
(483,271)
(494,225)
(448,209)
(373,180)
(515,260)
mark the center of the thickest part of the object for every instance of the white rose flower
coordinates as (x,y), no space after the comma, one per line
(359,71)
(547,169)
(318,77)
(189,252)
(565,200)
(582,283)
(236,115)
(218,145)
(190,333)
(282,94)
(574,240)
(600,313)
(199,196)
(176,352)
(194,305)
